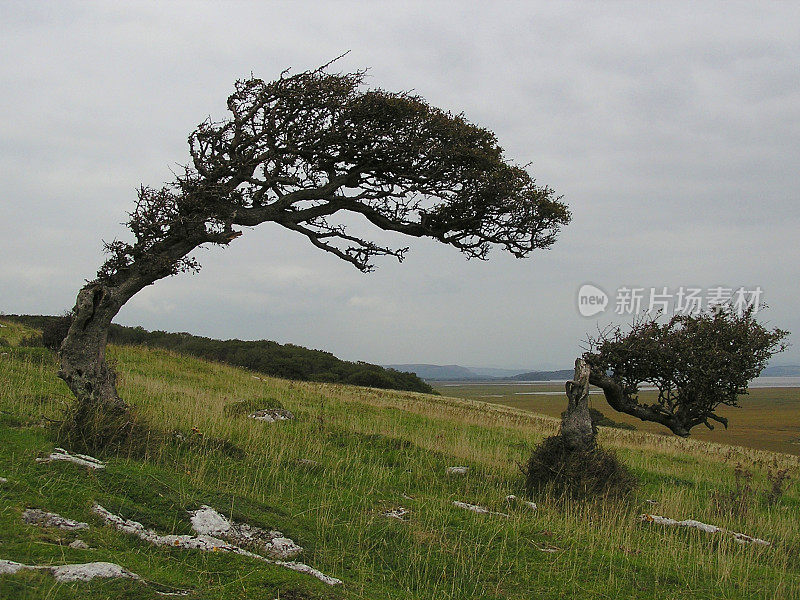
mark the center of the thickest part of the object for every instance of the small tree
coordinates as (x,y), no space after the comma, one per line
(300,152)
(696,363)
(55,330)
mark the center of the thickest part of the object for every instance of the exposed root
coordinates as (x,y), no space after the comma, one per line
(738,537)
(204,542)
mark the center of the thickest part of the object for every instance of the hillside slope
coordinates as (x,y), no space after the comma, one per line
(327,478)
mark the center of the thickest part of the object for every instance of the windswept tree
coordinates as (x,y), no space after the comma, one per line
(697,363)
(302,152)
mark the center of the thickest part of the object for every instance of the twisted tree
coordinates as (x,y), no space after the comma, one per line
(300,152)
(696,363)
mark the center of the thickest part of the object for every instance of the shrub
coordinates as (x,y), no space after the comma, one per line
(96,429)
(54,331)
(564,472)
(738,500)
(31,341)
(777,479)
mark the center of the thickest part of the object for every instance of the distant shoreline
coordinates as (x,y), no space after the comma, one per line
(759,382)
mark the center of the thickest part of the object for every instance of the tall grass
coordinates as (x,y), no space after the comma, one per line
(380,449)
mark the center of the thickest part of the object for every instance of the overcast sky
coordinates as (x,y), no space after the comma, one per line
(671,129)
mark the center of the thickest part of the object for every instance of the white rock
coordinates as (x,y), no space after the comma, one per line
(271,415)
(482,510)
(207,521)
(303,568)
(512,499)
(9,567)
(80,459)
(89,571)
(76,572)
(79,545)
(34,516)
(457,470)
(738,537)
(3,480)
(207,542)
(398,513)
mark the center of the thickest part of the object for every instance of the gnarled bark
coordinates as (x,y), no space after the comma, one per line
(577,429)
(83,364)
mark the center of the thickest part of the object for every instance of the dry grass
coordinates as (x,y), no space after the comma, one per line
(769,418)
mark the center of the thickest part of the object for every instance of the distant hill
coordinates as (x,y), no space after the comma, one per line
(782,371)
(564,374)
(459,373)
(437,372)
(495,373)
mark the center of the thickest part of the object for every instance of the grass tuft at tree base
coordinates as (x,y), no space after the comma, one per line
(563,472)
(105,430)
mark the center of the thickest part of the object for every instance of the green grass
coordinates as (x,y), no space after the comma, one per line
(13,333)
(375,449)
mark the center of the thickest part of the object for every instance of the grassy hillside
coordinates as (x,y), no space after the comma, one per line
(375,450)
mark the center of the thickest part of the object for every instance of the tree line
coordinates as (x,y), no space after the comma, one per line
(287,361)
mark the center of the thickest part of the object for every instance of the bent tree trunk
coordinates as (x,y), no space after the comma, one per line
(577,429)
(83,364)
(99,417)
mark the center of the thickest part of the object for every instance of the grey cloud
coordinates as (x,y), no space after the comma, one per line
(671,130)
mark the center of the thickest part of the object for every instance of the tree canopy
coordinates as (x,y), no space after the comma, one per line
(303,149)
